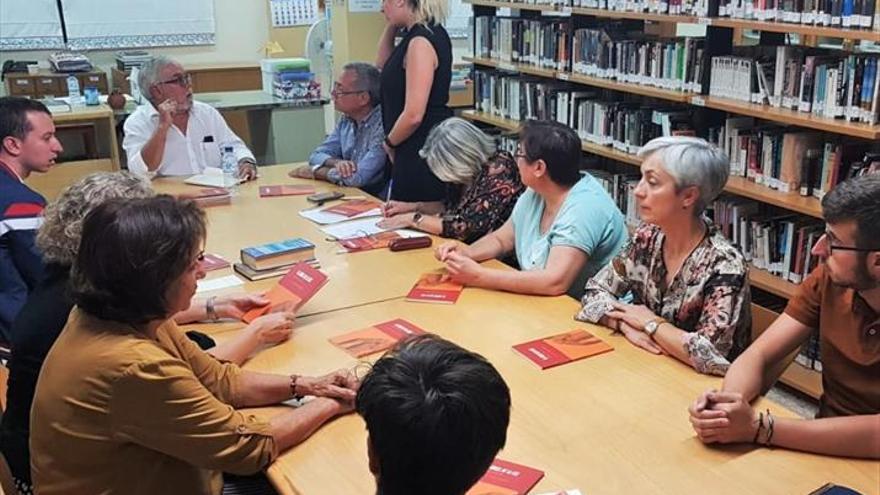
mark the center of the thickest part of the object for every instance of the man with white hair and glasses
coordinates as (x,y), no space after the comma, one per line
(840,298)
(172,134)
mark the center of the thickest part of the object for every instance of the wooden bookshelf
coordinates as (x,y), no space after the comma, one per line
(639,89)
(790,201)
(515,5)
(512,67)
(786,116)
(802,29)
(765,280)
(604,13)
(641,16)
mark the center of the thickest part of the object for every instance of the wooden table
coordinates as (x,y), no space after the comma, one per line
(612,424)
(355,279)
(615,423)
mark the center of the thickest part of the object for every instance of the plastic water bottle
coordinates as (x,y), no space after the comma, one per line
(230,169)
(76,99)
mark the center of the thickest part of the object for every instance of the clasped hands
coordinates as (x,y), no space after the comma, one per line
(459,262)
(723,417)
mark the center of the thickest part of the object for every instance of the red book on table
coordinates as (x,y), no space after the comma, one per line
(352,207)
(506,478)
(285,190)
(300,284)
(435,287)
(563,348)
(213,262)
(376,338)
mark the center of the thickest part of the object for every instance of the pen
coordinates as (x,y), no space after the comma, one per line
(390,185)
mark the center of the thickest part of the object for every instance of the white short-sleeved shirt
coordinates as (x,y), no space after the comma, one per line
(588,220)
(184,154)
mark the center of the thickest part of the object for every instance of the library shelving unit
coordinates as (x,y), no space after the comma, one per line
(719,41)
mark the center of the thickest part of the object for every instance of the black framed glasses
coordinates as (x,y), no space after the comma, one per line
(336,91)
(183,80)
(835,247)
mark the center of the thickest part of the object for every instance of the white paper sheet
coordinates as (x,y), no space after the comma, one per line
(360,228)
(218,283)
(324,218)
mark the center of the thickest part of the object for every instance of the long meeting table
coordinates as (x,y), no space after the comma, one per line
(615,423)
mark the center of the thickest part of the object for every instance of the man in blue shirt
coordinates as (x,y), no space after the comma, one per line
(27,144)
(352,155)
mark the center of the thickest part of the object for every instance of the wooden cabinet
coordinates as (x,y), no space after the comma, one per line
(209,79)
(47,83)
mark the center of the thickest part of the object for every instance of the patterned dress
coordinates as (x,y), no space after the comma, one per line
(487,203)
(708,298)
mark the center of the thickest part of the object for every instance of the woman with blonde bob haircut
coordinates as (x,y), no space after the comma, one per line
(46,311)
(689,283)
(415,90)
(487,185)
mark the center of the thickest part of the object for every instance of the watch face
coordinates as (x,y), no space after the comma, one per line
(651,327)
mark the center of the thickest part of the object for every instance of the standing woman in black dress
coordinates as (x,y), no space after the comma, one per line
(415,89)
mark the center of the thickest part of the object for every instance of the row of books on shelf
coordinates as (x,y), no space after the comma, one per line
(672,7)
(610,53)
(536,42)
(778,157)
(791,160)
(621,188)
(853,14)
(807,80)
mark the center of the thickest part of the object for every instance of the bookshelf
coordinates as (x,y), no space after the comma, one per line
(801,29)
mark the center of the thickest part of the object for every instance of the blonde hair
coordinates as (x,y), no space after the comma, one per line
(456,150)
(429,11)
(58,238)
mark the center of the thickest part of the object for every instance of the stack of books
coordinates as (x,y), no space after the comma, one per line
(275,259)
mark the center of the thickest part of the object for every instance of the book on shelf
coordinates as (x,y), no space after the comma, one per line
(811,81)
(562,349)
(213,262)
(376,338)
(285,190)
(275,254)
(611,53)
(542,43)
(435,287)
(208,196)
(253,275)
(777,243)
(851,14)
(621,188)
(298,286)
(787,159)
(507,477)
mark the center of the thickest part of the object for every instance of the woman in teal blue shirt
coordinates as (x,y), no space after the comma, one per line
(564,228)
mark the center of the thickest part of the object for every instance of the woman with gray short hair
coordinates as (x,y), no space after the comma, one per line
(689,284)
(485,185)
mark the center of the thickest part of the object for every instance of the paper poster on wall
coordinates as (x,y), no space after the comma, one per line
(286,13)
(364,5)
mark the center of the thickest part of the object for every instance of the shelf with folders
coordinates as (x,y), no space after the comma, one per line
(758,277)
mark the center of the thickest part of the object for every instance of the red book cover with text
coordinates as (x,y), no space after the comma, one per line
(435,287)
(376,338)
(352,207)
(285,190)
(208,196)
(506,478)
(366,243)
(563,348)
(213,262)
(300,284)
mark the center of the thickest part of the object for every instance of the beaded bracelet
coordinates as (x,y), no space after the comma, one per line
(293,394)
(760,427)
(770,422)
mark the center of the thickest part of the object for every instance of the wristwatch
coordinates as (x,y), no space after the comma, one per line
(417,218)
(652,326)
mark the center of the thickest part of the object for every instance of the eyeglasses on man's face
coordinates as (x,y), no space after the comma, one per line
(338,91)
(830,245)
(182,80)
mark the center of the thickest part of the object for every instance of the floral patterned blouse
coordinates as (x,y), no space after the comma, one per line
(708,298)
(487,203)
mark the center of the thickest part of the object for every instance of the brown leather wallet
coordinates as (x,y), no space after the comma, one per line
(409,243)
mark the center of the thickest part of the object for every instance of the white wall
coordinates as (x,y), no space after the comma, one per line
(242,27)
